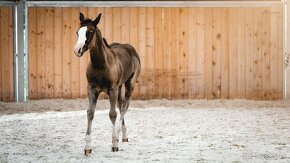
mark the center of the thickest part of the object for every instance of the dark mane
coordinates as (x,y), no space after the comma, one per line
(86,21)
(106,43)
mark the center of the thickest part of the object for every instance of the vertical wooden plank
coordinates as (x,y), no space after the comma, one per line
(273,54)
(208,53)
(241,54)
(216,53)
(192,53)
(280,55)
(158,51)
(108,24)
(150,51)
(183,53)
(66,50)
(10,56)
(6,54)
(233,52)
(265,54)
(167,44)
(117,24)
(75,61)
(200,49)
(142,52)
(1,57)
(125,25)
(41,62)
(249,38)
(175,51)
(132,27)
(257,55)
(57,51)
(49,52)
(224,53)
(32,54)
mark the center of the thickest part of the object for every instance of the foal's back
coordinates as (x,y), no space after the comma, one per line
(128,58)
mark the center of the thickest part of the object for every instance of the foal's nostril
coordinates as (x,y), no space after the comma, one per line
(79,51)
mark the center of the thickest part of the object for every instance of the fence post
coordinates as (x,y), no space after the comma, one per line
(20,57)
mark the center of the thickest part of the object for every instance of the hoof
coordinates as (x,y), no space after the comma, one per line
(125,140)
(88,152)
(115,149)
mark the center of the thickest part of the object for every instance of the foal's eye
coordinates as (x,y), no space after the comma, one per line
(90,33)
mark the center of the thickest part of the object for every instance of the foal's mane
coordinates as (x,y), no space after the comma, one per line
(106,43)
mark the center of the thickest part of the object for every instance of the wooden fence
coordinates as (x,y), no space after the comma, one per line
(6,54)
(185,52)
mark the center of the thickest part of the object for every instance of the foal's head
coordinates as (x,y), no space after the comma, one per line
(86,34)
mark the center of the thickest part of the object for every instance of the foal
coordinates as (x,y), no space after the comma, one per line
(110,67)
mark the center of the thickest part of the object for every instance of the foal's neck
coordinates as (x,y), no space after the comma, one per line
(98,54)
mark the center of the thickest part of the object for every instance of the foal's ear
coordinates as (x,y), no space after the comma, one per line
(82,17)
(97,20)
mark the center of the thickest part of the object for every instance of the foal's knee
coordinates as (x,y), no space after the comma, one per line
(90,114)
(113,116)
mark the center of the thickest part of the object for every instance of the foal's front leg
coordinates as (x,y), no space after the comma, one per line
(113,95)
(90,116)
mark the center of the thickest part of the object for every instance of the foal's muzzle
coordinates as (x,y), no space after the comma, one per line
(79,50)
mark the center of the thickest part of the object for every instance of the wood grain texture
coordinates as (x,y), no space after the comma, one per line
(241,92)
(150,52)
(6,54)
(57,52)
(66,60)
(158,52)
(257,71)
(208,53)
(167,55)
(249,44)
(224,56)
(175,52)
(200,51)
(216,53)
(32,54)
(233,53)
(49,57)
(192,53)
(141,49)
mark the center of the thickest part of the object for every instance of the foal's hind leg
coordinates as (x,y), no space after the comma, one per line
(90,116)
(120,103)
(129,87)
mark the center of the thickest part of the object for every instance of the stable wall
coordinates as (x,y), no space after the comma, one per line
(197,52)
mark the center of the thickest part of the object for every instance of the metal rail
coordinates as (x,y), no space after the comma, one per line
(153,3)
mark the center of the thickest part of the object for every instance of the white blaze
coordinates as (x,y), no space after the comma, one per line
(81,40)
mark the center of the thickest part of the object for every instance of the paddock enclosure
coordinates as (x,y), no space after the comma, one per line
(187,52)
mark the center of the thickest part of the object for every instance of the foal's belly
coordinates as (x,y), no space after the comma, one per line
(100,84)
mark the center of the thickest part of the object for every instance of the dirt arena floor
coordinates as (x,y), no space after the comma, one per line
(158,131)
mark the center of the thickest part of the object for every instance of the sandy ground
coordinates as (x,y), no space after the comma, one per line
(158,131)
